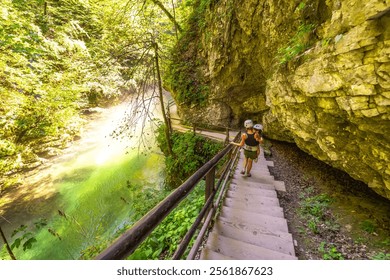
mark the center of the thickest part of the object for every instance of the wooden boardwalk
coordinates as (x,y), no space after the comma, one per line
(251,224)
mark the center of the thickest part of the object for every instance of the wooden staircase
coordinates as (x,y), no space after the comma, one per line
(251,223)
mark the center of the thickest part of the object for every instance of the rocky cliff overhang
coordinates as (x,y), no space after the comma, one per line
(316,73)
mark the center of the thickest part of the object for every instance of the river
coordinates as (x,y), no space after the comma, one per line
(84,193)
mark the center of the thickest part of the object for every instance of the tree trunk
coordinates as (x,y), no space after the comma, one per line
(10,253)
(160,92)
(174,17)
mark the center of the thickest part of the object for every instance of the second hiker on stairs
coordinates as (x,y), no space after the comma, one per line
(250,141)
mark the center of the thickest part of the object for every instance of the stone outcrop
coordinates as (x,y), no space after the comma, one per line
(316,73)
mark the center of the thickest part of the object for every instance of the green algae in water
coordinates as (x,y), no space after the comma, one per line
(98,204)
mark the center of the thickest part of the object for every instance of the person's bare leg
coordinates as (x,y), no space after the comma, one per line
(249,166)
(245,164)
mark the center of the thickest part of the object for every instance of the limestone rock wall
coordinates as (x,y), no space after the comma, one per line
(335,104)
(331,98)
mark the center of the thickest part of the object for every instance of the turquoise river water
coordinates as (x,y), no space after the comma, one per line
(83,194)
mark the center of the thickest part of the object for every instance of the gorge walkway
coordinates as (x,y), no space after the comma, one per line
(250,224)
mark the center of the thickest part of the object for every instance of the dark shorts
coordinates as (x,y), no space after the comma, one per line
(250,154)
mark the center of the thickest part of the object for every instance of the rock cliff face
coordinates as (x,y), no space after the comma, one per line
(316,73)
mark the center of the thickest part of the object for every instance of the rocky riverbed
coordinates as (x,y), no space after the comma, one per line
(331,215)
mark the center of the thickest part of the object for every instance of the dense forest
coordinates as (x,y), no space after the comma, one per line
(62,60)
(61,57)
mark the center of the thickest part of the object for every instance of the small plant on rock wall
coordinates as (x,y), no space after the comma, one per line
(301,6)
(297,44)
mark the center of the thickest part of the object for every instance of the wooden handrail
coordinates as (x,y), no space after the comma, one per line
(132,238)
(202,125)
(211,213)
(208,209)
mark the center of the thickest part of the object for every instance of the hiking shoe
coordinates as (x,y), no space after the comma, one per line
(242,172)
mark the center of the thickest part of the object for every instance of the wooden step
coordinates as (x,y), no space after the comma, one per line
(252,198)
(270,241)
(251,224)
(253,190)
(242,251)
(208,254)
(258,172)
(271,222)
(255,165)
(252,184)
(255,228)
(261,162)
(254,178)
(254,207)
(278,185)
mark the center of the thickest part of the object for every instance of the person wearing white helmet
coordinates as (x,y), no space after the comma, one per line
(258,127)
(250,141)
(259,131)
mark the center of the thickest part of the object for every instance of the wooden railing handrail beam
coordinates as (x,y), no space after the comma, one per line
(132,238)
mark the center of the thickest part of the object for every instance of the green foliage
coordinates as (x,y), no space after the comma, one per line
(316,205)
(325,42)
(313,225)
(26,237)
(297,44)
(301,6)
(381,256)
(164,240)
(329,252)
(143,201)
(183,76)
(368,226)
(190,152)
(52,65)
(314,209)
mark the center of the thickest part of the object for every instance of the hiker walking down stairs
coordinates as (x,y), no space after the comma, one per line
(250,141)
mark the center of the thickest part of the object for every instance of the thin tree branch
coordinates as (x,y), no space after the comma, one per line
(171,18)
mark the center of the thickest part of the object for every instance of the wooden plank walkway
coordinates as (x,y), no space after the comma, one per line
(251,224)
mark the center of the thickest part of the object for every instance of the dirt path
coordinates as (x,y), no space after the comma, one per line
(331,215)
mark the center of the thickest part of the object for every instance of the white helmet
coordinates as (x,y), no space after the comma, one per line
(258,127)
(248,124)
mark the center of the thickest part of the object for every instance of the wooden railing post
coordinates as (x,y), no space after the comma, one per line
(210,183)
(227,139)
